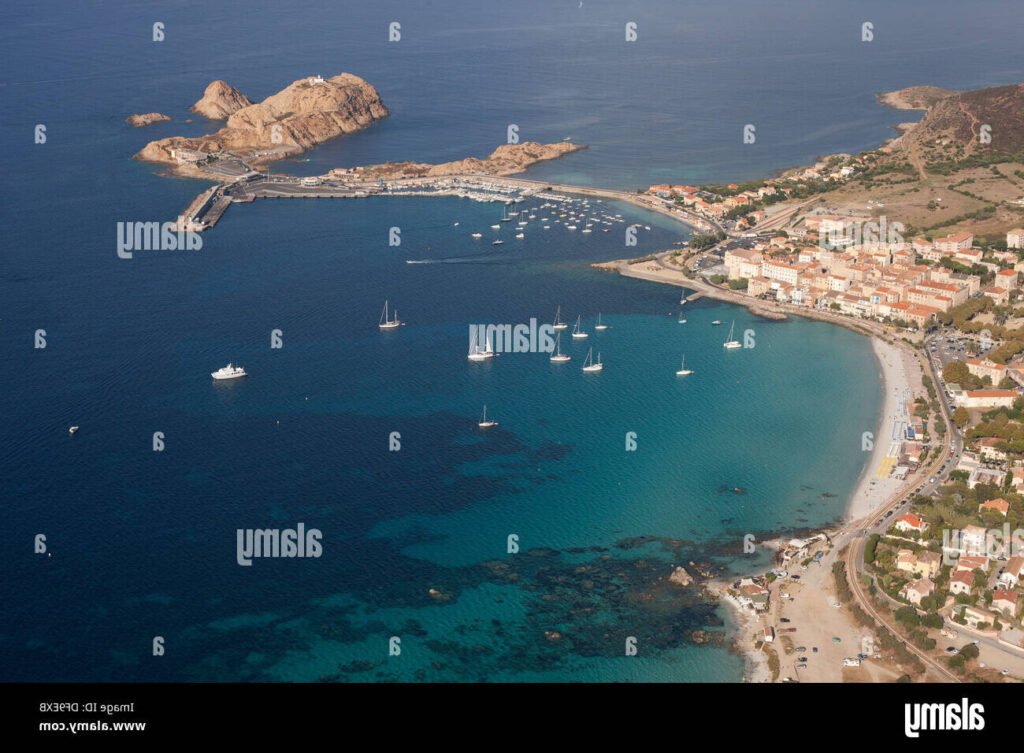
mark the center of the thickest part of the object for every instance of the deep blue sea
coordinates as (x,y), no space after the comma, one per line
(142,544)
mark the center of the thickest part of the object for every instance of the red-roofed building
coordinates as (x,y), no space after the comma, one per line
(911,522)
(999,504)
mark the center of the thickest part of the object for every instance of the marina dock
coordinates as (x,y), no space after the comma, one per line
(206,209)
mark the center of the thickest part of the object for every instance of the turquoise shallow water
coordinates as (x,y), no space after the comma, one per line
(143,543)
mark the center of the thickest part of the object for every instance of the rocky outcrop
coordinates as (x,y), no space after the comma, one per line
(507,159)
(220,100)
(304,114)
(146,119)
(989,121)
(914,97)
(680,577)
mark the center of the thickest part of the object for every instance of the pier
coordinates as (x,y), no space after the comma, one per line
(206,209)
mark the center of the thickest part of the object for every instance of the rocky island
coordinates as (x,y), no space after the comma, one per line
(307,112)
(145,119)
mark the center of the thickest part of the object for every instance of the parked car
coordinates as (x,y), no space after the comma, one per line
(783,619)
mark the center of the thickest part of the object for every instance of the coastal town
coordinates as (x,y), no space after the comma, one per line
(909,586)
(924,581)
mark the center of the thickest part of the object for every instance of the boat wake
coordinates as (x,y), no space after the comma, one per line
(459,260)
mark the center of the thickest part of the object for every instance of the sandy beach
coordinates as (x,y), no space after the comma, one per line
(818,632)
(900,374)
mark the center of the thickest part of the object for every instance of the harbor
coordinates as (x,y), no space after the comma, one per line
(205,210)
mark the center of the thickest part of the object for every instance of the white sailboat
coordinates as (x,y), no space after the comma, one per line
(558,356)
(385,322)
(589,365)
(504,214)
(484,422)
(683,371)
(475,354)
(730,343)
(599,326)
(559,324)
(716,322)
(577,333)
(682,298)
(478,235)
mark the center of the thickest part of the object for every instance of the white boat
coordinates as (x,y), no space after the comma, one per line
(600,327)
(682,321)
(72,430)
(481,355)
(716,322)
(495,227)
(731,344)
(558,356)
(478,235)
(589,365)
(587,230)
(497,243)
(683,371)
(504,215)
(456,225)
(558,323)
(682,298)
(570,227)
(228,372)
(385,322)
(520,235)
(484,422)
(577,333)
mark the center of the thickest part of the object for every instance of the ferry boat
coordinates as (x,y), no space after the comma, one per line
(683,371)
(559,356)
(589,365)
(228,372)
(599,326)
(730,343)
(484,422)
(385,322)
(577,333)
